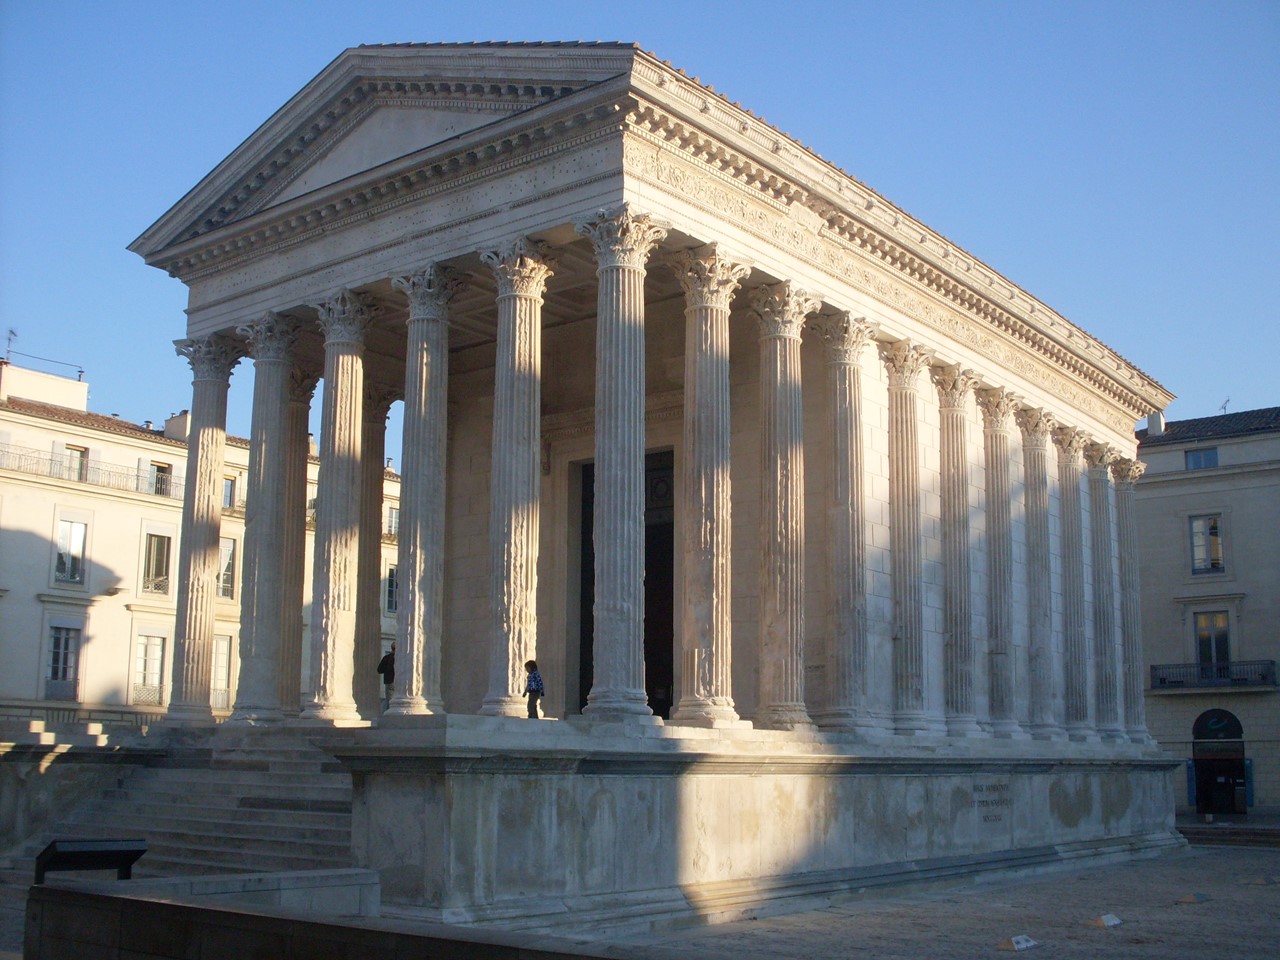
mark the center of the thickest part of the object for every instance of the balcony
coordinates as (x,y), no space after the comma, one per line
(56,689)
(93,472)
(1168,677)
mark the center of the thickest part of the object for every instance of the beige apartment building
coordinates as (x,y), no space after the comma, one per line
(90,525)
(1209,514)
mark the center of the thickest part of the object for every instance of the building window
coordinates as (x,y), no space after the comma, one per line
(393,589)
(393,521)
(147,687)
(227,568)
(70,564)
(155,572)
(220,681)
(1213,644)
(161,479)
(77,463)
(1206,544)
(228,493)
(1202,459)
(64,658)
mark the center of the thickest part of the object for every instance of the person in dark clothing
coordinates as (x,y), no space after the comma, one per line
(387,667)
(533,688)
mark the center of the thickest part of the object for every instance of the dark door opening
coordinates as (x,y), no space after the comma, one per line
(659,582)
(1217,750)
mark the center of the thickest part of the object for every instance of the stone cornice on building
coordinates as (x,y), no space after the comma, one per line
(798,200)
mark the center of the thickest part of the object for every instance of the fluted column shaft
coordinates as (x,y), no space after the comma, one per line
(333,618)
(848,659)
(373,447)
(706,695)
(521,271)
(1037,428)
(262,607)
(622,242)
(1126,473)
(998,407)
(294,547)
(904,361)
(781,310)
(1106,646)
(1078,719)
(954,386)
(212,359)
(420,612)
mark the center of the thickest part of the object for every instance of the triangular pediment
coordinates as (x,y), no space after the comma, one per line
(374,105)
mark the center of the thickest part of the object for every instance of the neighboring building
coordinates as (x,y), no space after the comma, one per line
(1209,515)
(725,439)
(90,524)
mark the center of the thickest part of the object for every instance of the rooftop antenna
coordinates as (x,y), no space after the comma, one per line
(1223,408)
(8,350)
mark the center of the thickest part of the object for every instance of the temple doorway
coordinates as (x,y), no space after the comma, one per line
(659,582)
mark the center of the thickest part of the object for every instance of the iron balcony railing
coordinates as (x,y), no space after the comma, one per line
(1238,673)
(43,464)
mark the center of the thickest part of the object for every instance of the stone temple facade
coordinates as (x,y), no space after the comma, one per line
(821,531)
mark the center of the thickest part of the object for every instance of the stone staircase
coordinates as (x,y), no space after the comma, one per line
(243,801)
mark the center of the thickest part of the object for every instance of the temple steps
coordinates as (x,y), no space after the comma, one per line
(255,802)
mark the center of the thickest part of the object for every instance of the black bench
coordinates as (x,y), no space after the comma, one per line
(117,855)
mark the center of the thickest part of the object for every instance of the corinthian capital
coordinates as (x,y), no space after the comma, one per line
(378,398)
(953,385)
(344,318)
(781,309)
(302,385)
(270,337)
(1100,456)
(708,278)
(843,335)
(521,267)
(1125,471)
(429,292)
(998,407)
(904,361)
(1070,442)
(1037,426)
(211,357)
(622,238)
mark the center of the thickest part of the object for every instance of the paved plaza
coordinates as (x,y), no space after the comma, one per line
(1240,917)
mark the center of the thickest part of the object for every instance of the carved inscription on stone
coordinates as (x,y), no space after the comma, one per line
(993,800)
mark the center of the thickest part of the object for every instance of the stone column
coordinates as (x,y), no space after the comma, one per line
(302,386)
(1126,473)
(848,659)
(420,614)
(522,269)
(781,309)
(262,606)
(622,242)
(343,321)
(1106,646)
(212,359)
(373,447)
(954,386)
(709,280)
(1079,721)
(1037,428)
(904,361)
(998,407)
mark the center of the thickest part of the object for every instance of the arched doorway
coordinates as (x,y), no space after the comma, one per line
(1217,751)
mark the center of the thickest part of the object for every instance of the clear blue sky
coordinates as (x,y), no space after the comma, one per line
(1119,160)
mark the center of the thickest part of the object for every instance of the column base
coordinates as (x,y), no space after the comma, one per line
(1008,730)
(914,723)
(255,717)
(413,707)
(784,716)
(852,720)
(332,715)
(508,706)
(1081,733)
(705,713)
(1140,735)
(964,727)
(617,705)
(1047,731)
(189,715)
(1112,735)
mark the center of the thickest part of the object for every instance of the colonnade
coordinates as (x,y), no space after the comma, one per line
(1074,691)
